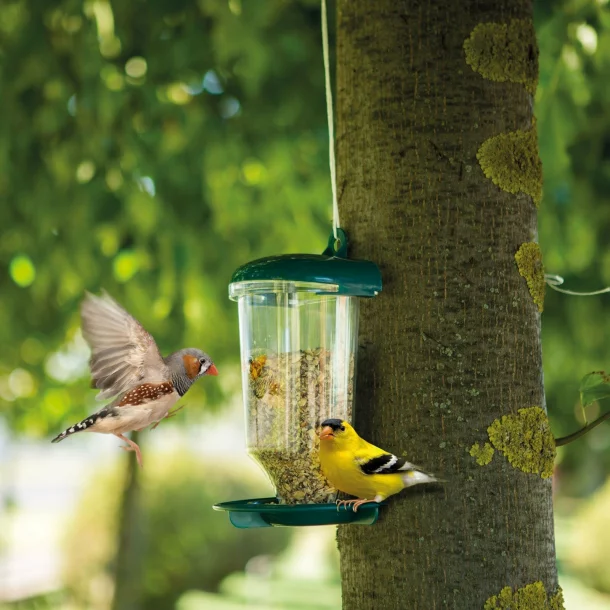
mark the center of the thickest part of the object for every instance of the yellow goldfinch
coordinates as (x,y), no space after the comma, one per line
(360,469)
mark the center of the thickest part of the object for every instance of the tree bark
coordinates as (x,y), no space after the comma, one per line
(130,552)
(453,341)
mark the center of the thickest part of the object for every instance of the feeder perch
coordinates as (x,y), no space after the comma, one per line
(298,323)
(267,512)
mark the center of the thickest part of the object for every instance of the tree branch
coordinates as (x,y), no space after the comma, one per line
(564,440)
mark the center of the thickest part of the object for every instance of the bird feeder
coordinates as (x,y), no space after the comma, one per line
(298,322)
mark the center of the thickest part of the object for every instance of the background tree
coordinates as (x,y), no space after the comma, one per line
(440,179)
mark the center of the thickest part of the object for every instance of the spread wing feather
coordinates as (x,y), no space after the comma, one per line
(123,354)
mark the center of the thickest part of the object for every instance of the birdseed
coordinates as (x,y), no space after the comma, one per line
(289,396)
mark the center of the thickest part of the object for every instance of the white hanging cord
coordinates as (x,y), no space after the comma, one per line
(331,128)
(556,280)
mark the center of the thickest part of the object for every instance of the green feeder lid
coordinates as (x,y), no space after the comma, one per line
(332,268)
(267,512)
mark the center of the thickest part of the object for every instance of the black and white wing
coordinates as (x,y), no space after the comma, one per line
(123,354)
(385,463)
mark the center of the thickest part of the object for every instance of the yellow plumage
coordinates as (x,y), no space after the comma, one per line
(360,469)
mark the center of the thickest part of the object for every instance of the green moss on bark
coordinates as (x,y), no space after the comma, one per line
(504,52)
(530,597)
(526,440)
(483,455)
(529,263)
(511,161)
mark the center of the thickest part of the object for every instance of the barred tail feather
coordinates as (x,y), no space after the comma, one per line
(79,427)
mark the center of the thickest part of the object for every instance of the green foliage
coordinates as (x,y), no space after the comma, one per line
(571,107)
(594,387)
(588,557)
(151,149)
(186,544)
(50,601)
(257,592)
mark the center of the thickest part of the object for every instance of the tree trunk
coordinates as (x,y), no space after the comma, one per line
(453,341)
(130,551)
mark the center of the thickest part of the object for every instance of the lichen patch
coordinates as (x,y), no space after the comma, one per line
(529,263)
(504,52)
(511,161)
(526,440)
(483,455)
(530,597)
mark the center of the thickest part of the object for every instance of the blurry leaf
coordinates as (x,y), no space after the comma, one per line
(593,387)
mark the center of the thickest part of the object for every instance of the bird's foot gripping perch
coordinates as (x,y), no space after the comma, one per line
(131,446)
(353,503)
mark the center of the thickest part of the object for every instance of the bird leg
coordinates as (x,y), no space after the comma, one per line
(353,503)
(131,446)
(169,414)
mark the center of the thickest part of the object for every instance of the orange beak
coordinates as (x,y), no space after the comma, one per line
(212,370)
(326,433)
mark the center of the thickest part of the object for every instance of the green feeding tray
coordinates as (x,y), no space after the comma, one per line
(266,512)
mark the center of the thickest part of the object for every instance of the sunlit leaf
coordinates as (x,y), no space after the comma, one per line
(22,270)
(593,387)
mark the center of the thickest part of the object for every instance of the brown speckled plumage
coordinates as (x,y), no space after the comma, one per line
(146,392)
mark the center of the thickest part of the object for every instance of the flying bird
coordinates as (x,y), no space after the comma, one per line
(356,467)
(126,364)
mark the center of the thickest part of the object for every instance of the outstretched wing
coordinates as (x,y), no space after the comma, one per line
(385,463)
(123,354)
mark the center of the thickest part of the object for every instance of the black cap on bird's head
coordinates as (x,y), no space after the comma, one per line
(334,424)
(331,427)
